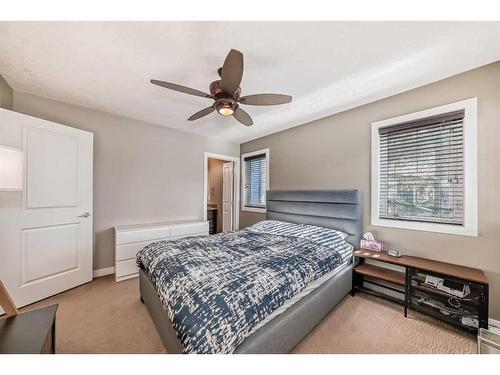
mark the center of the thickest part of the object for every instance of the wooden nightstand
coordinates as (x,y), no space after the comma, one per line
(32,332)
(418,295)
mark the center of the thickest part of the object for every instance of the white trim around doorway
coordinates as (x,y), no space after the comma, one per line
(237,183)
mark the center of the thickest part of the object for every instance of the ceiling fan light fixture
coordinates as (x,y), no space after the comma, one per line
(226,92)
(225,108)
(226,111)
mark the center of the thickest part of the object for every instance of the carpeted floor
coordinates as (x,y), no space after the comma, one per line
(107,317)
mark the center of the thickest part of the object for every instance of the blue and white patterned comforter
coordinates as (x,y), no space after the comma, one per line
(217,289)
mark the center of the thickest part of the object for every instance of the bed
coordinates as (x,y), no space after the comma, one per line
(294,319)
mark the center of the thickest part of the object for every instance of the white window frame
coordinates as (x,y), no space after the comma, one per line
(243,174)
(470,226)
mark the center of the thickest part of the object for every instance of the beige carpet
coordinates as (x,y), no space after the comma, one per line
(107,317)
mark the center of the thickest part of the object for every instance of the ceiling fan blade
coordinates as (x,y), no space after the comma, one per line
(265,99)
(183,89)
(232,71)
(202,113)
(242,117)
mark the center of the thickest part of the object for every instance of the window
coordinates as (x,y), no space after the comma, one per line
(424,170)
(255,180)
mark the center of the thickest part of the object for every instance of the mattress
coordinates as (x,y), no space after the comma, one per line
(311,287)
(218,290)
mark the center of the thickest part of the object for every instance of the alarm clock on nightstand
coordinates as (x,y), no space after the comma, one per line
(393,253)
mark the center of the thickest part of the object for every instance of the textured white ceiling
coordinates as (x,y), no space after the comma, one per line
(327,67)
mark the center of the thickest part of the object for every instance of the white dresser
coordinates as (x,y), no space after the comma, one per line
(130,239)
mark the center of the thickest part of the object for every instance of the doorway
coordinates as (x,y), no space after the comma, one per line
(221,192)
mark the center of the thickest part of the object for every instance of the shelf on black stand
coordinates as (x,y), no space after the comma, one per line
(455,321)
(443,295)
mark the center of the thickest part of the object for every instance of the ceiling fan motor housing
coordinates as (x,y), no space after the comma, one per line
(217,92)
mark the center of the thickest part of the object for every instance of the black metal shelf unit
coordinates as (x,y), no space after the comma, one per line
(469,312)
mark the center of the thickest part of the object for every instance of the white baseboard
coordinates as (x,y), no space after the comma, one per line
(494,325)
(103,272)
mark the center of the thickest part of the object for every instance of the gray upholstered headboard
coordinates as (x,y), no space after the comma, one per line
(336,209)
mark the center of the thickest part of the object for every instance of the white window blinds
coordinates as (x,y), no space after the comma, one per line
(421,170)
(255,180)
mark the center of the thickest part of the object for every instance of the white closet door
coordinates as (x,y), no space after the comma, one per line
(227,196)
(46,230)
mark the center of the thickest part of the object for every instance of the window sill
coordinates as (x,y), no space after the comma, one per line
(470,231)
(254,209)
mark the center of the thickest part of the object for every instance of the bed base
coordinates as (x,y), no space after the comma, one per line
(278,336)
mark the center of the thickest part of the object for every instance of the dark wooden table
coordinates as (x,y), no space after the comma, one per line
(32,332)
(406,283)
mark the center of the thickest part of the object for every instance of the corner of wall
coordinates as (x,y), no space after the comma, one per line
(6,94)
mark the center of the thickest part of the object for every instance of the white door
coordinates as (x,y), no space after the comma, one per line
(46,230)
(227,196)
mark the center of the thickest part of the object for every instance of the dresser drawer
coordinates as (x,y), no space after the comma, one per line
(188,235)
(126,268)
(148,234)
(191,229)
(129,250)
(211,214)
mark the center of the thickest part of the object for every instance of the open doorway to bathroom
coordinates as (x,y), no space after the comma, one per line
(221,203)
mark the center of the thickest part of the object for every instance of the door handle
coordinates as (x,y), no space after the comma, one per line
(85,214)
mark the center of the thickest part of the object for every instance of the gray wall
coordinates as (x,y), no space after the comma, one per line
(334,153)
(5,94)
(142,172)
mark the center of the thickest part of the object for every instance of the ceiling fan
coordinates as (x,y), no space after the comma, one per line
(226,92)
